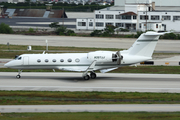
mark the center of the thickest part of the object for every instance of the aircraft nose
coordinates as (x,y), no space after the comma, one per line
(7,64)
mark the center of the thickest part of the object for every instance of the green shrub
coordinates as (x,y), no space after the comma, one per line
(61,30)
(169,36)
(31,30)
(96,33)
(138,33)
(109,30)
(70,33)
(54,25)
(5,29)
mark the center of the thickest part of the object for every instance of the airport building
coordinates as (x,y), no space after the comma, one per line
(158,15)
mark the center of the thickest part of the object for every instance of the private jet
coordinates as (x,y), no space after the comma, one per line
(88,63)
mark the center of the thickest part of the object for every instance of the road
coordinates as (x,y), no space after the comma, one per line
(91,108)
(97,42)
(38,22)
(115,82)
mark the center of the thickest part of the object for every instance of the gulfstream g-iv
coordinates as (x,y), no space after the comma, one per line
(88,63)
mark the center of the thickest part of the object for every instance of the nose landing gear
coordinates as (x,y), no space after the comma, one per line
(19,76)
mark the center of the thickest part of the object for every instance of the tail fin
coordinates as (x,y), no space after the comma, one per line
(145,44)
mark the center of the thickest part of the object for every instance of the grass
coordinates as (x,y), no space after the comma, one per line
(91,116)
(61,98)
(22,49)
(149,69)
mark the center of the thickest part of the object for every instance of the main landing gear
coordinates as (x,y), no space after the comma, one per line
(92,76)
(19,76)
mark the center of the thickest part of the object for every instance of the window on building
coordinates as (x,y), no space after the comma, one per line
(154,17)
(134,17)
(81,23)
(176,17)
(38,60)
(166,17)
(109,24)
(118,16)
(109,16)
(90,24)
(119,24)
(99,16)
(69,60)
(99,24)
(156,25)
(126,17)
(46,60)
(144,17)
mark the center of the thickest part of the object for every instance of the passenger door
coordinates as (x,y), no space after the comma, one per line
(26,60)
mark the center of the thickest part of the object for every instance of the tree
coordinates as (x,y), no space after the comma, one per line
(109,30)
(5,29)
(61,30)
(54,25)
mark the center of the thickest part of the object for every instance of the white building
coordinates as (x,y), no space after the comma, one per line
(3,0)
(135,14)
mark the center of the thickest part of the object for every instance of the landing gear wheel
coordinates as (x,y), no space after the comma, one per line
(86,77)
(93,75)
(18,76)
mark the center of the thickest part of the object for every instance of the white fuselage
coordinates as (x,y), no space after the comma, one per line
(72,61)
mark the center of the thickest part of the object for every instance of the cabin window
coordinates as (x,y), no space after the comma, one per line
(38,60)
(77,60)
(62,60)
(46,60)
(54,60)
(69,60)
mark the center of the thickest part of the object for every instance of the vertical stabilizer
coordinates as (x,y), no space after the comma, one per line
(145,44)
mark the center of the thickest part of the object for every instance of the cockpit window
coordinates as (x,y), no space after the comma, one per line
(18,58)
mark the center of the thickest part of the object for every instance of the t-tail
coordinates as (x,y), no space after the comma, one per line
(145,44)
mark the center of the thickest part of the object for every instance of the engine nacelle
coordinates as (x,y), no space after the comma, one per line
(102,56)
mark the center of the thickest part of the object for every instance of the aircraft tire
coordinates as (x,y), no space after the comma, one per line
(86,77)
(18,76)
(93,75)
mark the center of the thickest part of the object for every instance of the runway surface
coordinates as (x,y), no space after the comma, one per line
(97,42)
(116,82)
(91,108)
